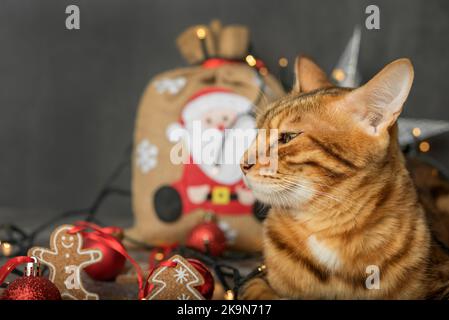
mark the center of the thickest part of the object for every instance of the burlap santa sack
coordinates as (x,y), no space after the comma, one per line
(220,92)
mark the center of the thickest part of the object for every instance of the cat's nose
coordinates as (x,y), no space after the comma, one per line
(246,167)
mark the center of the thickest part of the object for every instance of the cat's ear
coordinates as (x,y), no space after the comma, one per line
(309,76)
(379,102)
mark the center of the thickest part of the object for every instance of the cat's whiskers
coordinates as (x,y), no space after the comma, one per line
(274,192)
(346,205)
(295,183)
(292,202)
(345,201)
(289,176)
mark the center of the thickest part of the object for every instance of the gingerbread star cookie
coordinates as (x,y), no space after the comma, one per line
(176,282)
(66,259)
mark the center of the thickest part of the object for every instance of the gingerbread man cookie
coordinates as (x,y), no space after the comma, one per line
(66,259)
(176,282)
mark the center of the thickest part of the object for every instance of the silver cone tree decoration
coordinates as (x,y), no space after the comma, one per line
(345,73)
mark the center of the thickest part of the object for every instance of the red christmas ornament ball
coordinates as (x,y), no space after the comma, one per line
(207,237)
(207,289)
(31,288)
(110,266)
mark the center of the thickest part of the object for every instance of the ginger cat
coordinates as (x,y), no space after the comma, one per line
(343,206)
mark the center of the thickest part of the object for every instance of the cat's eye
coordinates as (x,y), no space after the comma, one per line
(286,137)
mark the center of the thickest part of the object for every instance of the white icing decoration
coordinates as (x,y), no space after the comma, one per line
(181,275)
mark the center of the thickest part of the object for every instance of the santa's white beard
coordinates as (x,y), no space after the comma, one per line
(217,157)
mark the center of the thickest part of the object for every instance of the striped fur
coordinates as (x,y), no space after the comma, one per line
(361,209)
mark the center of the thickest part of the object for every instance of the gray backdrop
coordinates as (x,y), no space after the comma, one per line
(68,98)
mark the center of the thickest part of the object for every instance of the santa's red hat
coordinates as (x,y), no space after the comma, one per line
(207,100)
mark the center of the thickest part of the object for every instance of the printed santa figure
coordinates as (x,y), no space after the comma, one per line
(211,181)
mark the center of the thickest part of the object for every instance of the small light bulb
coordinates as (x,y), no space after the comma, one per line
(424,146)
(416,132)
(250,60)
(229,295)
(338,74)
(261,268)
(201,33)
(6,249)
(159,256)
(283,62)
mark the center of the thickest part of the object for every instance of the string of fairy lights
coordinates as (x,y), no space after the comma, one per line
(12,236)
(423,146)
(15,241)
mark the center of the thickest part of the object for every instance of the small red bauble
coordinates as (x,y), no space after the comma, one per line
(207,289)
(110,265)
(208,238)
(31,288)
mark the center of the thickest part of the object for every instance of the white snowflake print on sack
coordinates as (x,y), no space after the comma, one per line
(230,233)
(172,86)
(146,156)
